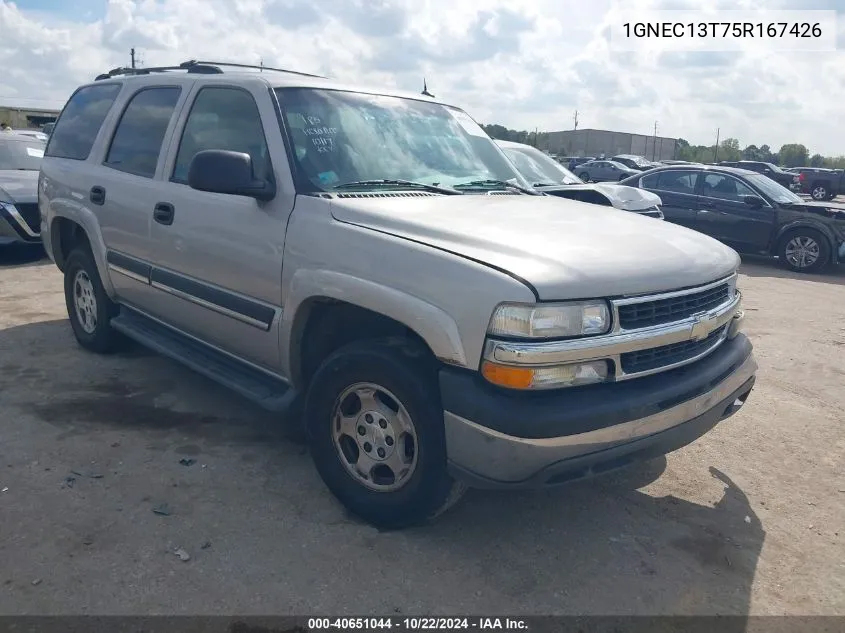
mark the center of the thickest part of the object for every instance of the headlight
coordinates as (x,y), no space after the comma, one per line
(554,320)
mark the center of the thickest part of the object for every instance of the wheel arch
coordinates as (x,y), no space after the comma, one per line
(79,228)
(804,224)
(323,302)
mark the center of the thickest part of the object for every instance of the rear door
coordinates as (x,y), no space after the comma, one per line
(676,188)
(127,179)
(724,214)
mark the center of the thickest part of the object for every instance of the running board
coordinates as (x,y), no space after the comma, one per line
(266,391)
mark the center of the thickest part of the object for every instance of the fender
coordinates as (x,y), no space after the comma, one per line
(807,224)
(77,212)
(437,328)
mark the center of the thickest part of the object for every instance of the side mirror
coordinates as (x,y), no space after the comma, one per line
(222,171)
(755,202)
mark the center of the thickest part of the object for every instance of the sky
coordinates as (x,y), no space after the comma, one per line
(525,64)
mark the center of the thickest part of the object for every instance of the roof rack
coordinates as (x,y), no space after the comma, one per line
(197,67)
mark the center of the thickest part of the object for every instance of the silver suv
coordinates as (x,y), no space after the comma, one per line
(372,261)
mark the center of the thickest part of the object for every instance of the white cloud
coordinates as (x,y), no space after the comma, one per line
(521,63)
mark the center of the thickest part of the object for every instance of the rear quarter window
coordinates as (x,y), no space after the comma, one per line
(80,121)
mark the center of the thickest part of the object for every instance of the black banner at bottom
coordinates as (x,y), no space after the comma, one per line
(402,624)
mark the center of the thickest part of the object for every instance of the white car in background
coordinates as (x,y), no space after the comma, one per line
(552,178)
(33,134)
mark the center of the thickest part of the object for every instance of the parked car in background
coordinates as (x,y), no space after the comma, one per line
(821,184)
(48,128)
(675,162)
(604,171)
(780,176)
(550,177)
(749,212)
(640,163)
(572,162)
(440,323)
(20,160)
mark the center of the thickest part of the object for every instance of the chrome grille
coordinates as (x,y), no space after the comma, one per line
(647,313)
(30,213)
(668,355)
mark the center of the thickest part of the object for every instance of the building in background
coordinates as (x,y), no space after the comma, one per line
(27,118)
(597,142)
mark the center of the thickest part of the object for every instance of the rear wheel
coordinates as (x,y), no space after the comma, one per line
(804,250)
(88,306)
(375,430)
(585,176)
(819,191)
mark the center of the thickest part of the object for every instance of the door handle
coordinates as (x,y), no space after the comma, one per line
(163,213)
(97,195)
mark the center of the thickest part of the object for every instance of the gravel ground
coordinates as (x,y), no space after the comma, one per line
(746,520)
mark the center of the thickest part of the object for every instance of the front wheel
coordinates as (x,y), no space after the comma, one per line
(804,250)
(375,430)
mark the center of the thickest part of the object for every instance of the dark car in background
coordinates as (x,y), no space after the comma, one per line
(633,161)
(749,212)
(20,160)
(821,184)
(780,176)
(553,179)
(604,171)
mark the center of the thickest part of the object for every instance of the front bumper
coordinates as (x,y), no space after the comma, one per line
(497,439)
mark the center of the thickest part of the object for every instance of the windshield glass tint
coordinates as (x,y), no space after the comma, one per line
(21,154)
(773,190)
(342,137)
(538,168)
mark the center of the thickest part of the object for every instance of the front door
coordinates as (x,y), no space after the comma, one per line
(724,214)
(218,258)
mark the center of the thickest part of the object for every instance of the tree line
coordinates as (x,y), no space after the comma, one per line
(789,155)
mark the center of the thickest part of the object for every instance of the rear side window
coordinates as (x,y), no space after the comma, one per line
(80,121)
(677,181)
(137,140)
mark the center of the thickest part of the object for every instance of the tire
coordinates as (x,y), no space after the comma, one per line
(814,247)
(91,319)
(585,176)
(403,381)
(819,191)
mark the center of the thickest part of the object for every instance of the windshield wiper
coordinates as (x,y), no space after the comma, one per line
(384,182)
(490,183)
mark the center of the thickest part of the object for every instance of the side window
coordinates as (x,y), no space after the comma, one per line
(80,121)
(677,181)
(137,140)
(227,119)
(650,181)
(725,187)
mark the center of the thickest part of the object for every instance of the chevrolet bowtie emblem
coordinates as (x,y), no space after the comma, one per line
(702,326)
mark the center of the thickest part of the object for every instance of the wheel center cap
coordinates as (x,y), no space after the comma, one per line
(375,435)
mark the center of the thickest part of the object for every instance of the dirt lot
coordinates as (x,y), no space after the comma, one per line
(748,519)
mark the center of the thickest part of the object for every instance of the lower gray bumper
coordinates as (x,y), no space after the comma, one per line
(487,458)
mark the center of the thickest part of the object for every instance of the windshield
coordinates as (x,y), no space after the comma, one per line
(773,190)
(342,137)
(540,169)
(25,153)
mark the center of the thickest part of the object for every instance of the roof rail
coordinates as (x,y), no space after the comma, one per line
(188,64)
(194,66)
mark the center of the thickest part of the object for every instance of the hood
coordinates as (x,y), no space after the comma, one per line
(833,210)
(564,248)
(18,185)
(620,196)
